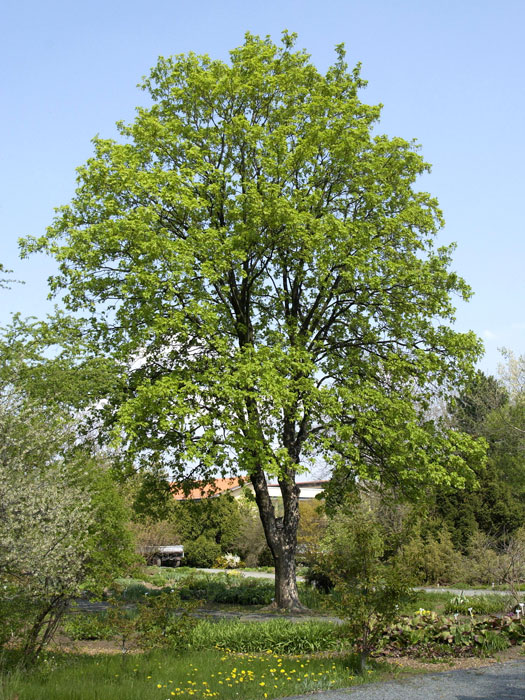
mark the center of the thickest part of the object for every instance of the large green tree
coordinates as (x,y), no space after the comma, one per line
(257,253)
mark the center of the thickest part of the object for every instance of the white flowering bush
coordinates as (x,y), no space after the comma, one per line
(56,523)
(228,561)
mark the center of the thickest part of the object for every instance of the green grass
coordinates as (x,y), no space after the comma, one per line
(281,636)
(199,675)
(480,604)
(483,587)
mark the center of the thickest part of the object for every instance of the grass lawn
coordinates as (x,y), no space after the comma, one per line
(162,676)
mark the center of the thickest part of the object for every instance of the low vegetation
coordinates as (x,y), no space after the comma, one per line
(199,675)
(428,634)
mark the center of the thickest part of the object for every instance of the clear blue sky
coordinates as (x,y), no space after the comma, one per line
(450,74)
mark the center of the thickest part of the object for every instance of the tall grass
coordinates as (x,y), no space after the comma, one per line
(162,676)
(279,635)
(479,604)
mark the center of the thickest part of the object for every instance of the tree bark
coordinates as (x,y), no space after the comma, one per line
(281,536)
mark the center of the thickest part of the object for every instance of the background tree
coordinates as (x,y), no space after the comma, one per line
(51,363)
(489,409)
(4,281)
(261,261)
(212,523)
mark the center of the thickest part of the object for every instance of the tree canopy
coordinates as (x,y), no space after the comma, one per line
(258,255)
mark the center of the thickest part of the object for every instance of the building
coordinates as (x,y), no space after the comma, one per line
(237,486)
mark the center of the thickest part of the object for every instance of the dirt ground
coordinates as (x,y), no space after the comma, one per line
(456,663)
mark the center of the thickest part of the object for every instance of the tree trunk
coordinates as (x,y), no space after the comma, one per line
(281,536)
(286,593)
(363,661)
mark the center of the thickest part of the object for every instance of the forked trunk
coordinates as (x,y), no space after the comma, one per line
(281,536)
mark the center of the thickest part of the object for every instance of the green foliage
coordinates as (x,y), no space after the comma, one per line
(479,604)
(495,411)
(53,365)
(432,558)
(202,552)
(62,521)
(251,216)
(88,626)
(61,525)
(281,636)
(134,592)
(217,519)
(228,588)
(263,251)
(110,542)
(165,621)
(158,620)
(426,630)
(250,542)
(369,590)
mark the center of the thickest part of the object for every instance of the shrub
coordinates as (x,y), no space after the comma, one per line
(368,589)
(62,529)
(228,588)
(89,625)
(228,561)
(202,552)
(218,519)
(250,541)
(134,592)
(160,619)
(317,577)
(158,625)
(432,559)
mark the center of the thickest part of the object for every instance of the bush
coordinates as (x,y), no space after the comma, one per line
(202,552)
(317,577)
(89,626)
(368,589)
(432,559)
(217,519)
(228,588)
(62,527)
(160,619)
(133,592)
(159,626)
(250,541)
(228,561)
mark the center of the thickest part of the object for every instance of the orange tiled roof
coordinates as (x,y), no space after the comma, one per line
(206,490)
